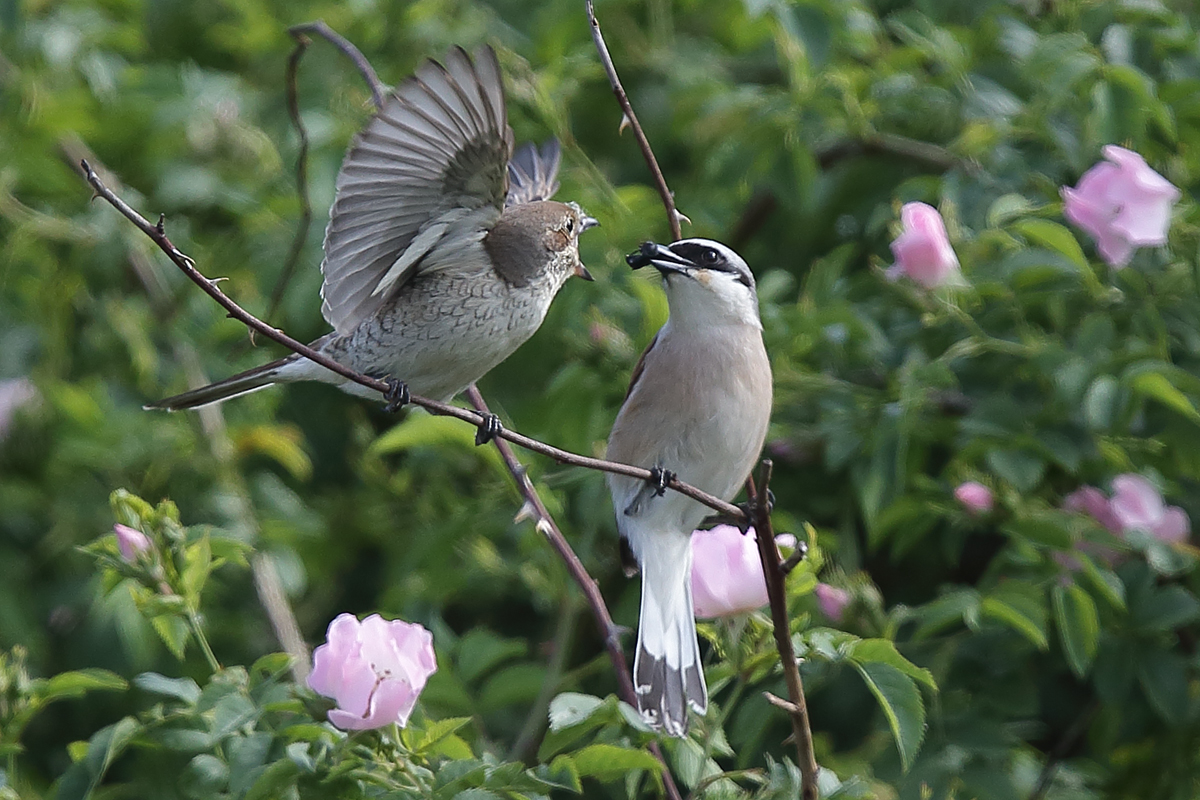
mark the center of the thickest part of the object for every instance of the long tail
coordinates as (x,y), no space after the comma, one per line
(667,673)
(243,383)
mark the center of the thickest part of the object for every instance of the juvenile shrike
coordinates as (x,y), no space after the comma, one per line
(441,256)
(698,404)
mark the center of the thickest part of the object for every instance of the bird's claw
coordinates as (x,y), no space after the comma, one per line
(659,480)
(489,429)
(397,395)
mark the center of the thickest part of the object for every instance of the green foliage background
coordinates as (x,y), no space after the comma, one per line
(792,130)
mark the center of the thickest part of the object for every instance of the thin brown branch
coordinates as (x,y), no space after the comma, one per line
(319,28)
(306,214)
(536,509)
(797,707)
(668,200)
(157,234)
(1069,739)
(266,577)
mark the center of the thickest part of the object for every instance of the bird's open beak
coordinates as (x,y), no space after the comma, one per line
(661,258)
(582,272)
(587,222)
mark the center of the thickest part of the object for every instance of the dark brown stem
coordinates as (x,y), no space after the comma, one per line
(673,215)
(319,28)
(796,707)
(301,235)
(159,237)
(535,509)
(1069,739)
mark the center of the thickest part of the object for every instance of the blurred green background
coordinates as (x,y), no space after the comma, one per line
(790,130)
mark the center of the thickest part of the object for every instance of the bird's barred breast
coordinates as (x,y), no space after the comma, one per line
(445,331)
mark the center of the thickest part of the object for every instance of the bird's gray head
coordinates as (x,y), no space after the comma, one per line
(539,241)
(703,278)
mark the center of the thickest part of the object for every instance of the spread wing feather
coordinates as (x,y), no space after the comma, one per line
(533,173)
(434,158)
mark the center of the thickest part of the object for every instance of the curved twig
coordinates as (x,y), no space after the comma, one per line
(319,28)
(660,183)
(158,235)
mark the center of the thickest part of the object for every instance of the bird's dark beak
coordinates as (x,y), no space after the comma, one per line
(581,271)
(661,258)
(587,222)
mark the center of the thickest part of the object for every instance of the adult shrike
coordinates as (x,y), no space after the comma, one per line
(698,406)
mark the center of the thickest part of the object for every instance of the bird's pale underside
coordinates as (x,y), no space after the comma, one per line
(443,249)
(698,405)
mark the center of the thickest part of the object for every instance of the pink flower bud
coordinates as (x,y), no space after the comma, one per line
(976,497)
(1122,204)
(130,542)
(374,670)
(923,250)
(832,601)
(727,575)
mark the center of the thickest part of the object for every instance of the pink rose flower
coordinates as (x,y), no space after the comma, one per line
(1137,505)
(923,250)
(976,497)
(1122,204)
(832,601)
(130,542)
(727,575)
(374,669)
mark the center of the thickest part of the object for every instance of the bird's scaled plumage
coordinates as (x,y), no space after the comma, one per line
(699,404)
(441,254)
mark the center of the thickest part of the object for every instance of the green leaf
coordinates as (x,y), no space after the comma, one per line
(561,772)
(1166,610)
(1156,386)
(1022,607)
(1163,677)
(232,712)
(184,689)
(901,702)
(1054,236)
(205,776)
(439,730)
(883,651)
(174,633)
(1021,468)
(102,750)
(197,566)
(1078,626)
(78,682)
(571,708)
(608,762)
(273,780)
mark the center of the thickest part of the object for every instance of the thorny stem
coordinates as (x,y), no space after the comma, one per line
(535,508)
(158,235)
(797,708)
(660,183)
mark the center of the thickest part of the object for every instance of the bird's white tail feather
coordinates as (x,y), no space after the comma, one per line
(667,672)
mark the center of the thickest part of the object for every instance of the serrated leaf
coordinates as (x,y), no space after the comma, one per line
(273,780)
(883,651)
(103,748)
(184,689)
(1021,606)
(174,633)
(608,762)
(900,700)
(1078,626)
(571,708)
(436,731)
(78,682)
(561,772)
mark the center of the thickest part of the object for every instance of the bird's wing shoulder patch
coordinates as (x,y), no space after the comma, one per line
(435,154)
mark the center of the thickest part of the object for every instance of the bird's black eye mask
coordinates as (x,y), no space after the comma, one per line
(711,258)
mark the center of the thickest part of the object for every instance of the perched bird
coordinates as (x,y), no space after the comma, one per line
(697,407)
(441,254)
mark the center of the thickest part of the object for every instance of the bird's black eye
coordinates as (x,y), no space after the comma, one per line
(570,224)
(710,256)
